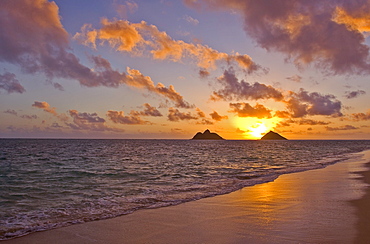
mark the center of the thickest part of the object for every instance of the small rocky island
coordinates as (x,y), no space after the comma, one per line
(272,136)
(207,135)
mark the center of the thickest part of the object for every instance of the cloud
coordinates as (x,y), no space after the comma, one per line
(282,114)
(326,33)
(124,9)
(246,110)
(295,78)
(9,83)
(203,73)
(23,116)
(200,113)
(191,20)
(118,117)
(232,89)
(138,80)
(205,122)
(134,78)
(175,115)
(344,127)
(45,106)
(148,111)
(88,121)
(354,94)
(311,122)
(217,117)
(56,126)
(11,111)
(33,38)
(52,110)
(26,116)
(140,38)
(361,116)
(305,103)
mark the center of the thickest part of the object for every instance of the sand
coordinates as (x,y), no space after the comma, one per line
(327,205)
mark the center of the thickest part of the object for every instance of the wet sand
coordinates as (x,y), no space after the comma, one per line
(315,206)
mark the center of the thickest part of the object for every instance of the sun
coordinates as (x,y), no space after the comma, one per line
(254,128)
(258,130)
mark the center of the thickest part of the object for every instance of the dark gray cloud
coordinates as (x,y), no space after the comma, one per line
(26,116)
(9,83)
(148,111)
(89,122)
(33,38)
(325,33)
(119,117)
(233,89)
(11,111)
(354,94)
(305,103)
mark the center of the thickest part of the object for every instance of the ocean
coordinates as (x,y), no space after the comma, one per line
(45,184)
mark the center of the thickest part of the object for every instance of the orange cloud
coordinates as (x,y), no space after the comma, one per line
(217,117)
(52,110)
(361,116)
(344,127)
(136,79)
(45,106)
(137,38)
(246,110)
(359,23)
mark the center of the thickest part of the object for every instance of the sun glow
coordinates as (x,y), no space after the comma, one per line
(254,128)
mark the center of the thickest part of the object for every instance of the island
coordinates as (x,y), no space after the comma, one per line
(272,136)
(207,135)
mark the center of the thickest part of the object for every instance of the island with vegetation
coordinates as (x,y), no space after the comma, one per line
(207,135)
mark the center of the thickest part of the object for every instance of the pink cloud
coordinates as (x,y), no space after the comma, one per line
(138,38)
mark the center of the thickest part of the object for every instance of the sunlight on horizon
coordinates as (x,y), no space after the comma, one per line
(254,128)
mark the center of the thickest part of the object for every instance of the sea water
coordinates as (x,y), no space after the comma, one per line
(46,184)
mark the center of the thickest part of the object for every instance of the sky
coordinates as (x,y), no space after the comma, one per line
(141,69)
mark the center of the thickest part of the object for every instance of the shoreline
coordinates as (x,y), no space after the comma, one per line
(310,206)
(362,209)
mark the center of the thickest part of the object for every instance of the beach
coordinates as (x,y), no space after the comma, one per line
(316,206)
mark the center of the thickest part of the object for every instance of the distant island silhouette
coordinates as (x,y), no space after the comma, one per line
(272,136)
(207,135)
